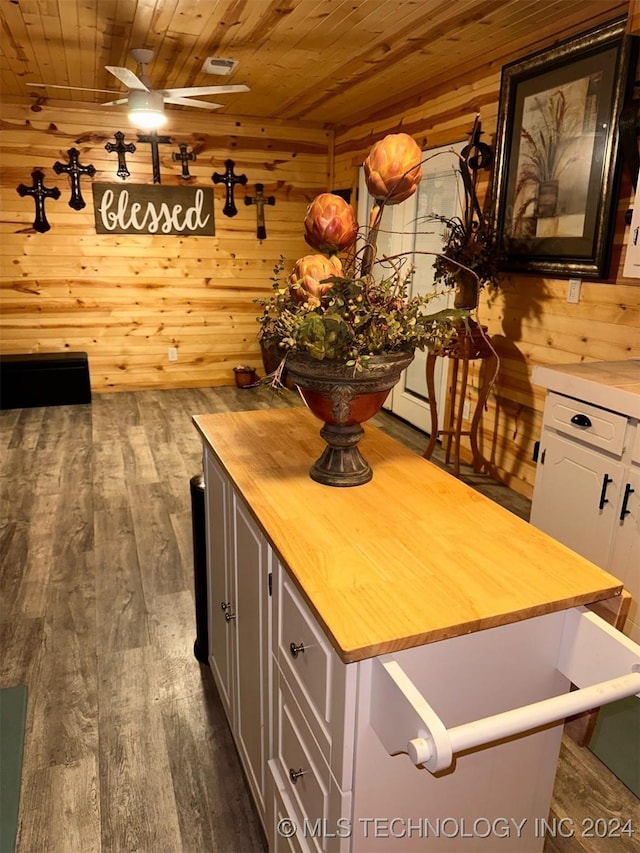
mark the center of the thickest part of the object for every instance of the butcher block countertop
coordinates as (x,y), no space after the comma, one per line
(413,557)
(613,385)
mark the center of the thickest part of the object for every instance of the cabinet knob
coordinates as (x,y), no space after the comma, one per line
(296,650)
(229,616)
(293,774)
(581,421)
(224,605)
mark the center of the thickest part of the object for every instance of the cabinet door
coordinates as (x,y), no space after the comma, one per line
(251,730)
(625,555)
(576,496)
(219,580)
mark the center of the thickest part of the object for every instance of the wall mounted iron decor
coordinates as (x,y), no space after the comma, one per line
(75,172)
(229,180)
(260,200)
(184,158)
(149,209)
(557,163)
(121,149)
(39,193)
(477,154)
(154,141)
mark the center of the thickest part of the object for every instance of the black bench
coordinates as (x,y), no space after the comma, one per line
(44,379)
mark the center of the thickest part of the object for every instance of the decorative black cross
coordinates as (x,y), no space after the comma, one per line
(75,172)
(260,200)
(184,158)
(120,148)
(154,140)
(39,193)
(229,180)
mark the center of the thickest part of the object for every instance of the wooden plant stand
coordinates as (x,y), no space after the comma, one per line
(469,344)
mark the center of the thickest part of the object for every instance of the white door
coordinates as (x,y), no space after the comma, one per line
(402,230)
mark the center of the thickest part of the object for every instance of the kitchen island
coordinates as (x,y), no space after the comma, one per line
(364,640)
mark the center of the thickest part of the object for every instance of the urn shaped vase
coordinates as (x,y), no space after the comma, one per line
(344,398)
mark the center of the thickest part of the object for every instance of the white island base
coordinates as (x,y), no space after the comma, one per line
(366,672)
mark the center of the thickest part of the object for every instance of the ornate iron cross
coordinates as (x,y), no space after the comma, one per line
(229,180)
(39,193)
(260,200)
(184,158)
(75,172)
(120,148)
(154,140)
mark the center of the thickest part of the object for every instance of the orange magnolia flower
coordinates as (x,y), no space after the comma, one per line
(309,272)
(330,225)
(392,170)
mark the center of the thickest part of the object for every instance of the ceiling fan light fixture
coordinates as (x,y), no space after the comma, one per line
(146,109)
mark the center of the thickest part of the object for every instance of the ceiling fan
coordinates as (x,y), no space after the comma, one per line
(146,104)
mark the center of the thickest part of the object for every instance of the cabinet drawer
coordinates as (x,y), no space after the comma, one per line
(306,779)
(286,836)
(324,687)
(589,424)
(304,650)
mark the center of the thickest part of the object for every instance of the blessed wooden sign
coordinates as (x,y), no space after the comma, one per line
(147,209)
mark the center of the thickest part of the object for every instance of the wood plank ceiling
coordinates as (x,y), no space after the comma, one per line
(333,62)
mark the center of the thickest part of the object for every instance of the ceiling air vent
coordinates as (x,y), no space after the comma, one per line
(216,65)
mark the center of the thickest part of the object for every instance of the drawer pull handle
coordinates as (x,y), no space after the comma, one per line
(296,650)
(293,774)
(581,421)
(229,616)
(224,606)
(628,491)
(603,494)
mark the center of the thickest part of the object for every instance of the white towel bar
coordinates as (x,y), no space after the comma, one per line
(405,722)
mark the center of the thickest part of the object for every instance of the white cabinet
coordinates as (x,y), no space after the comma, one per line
(370,677)
(586,492)
(238,569)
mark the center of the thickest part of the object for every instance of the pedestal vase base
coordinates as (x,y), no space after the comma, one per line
(341,463)
(343,398)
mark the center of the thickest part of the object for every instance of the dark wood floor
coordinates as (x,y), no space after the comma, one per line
(127,748)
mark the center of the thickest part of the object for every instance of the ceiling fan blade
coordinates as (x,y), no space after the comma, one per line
(204,90)
(127,77)
(73,88)
(116,103)
(191,102)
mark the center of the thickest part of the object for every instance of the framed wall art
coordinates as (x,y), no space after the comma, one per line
(557,160)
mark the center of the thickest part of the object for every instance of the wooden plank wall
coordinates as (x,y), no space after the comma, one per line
(126,299)
(529,319)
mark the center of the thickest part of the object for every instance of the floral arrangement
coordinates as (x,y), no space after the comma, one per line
(470,257)
(342,302)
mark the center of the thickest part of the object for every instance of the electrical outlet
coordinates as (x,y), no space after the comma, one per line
(466,410)
(173,354)
(573,290)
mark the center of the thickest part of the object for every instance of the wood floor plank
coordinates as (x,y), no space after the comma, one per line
(214,809)
(121,616)
(109,474)
(138,458)
(23,426)
(137,805)
(21,641)
(158,552)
